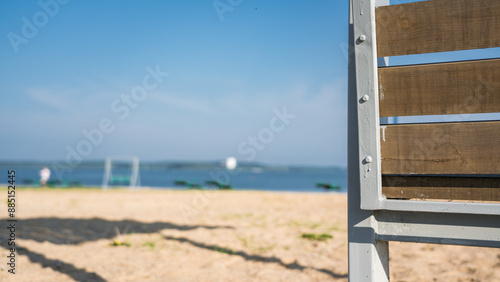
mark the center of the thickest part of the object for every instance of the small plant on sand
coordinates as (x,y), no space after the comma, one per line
(246,241)
(119,240)
(317,237)
(117,243)
(150,244)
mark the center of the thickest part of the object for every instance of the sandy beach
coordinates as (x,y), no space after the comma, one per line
(165,235)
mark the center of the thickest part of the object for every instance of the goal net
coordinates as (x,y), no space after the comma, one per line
(121,171)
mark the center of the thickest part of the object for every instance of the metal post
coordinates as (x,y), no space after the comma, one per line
(107,173)
(368,258)
(135,173)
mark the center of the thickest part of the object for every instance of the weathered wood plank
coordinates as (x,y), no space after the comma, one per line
(435,89)
(437,26)
(446,193)
(441,187)
(441,148)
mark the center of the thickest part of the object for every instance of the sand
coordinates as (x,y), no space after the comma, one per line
(166,235)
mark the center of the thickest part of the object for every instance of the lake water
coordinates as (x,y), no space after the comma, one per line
(249,177)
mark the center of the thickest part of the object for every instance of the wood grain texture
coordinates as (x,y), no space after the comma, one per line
(441,188)
(437,26)
(434,89)
(441,148)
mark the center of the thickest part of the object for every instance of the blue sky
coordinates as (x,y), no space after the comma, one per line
(227,78)
(262,81)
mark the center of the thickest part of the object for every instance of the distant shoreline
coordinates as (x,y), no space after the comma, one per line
(3,186)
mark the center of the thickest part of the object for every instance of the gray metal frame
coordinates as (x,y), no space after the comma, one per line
(368,256)
(374,220)
(365,63)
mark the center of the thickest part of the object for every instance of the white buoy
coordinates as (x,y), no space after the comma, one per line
(231,163)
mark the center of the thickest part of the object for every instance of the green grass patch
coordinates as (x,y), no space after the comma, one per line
(317,237)
(150,244)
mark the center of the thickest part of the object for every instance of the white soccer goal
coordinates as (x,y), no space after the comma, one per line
(121,171)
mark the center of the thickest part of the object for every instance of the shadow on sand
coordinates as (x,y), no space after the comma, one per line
(67,231)
(250,257)
(63,231)
(78,274)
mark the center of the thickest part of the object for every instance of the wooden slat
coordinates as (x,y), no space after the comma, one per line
(435,89)
(437,26)
(441,148)
(442,188)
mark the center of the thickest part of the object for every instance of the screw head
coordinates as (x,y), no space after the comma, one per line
(365,98)
(362,37)
(368,159)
